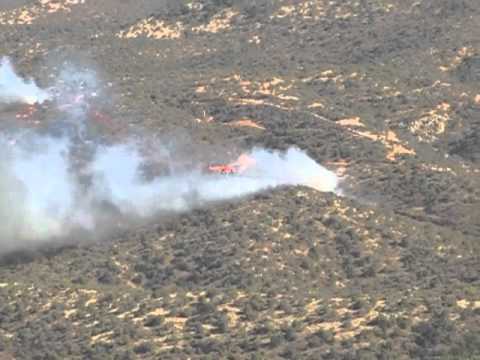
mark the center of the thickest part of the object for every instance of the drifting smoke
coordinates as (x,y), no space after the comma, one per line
(56,182)
(15,89)
(180,191)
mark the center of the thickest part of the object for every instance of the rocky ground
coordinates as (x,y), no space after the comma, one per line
(385,92)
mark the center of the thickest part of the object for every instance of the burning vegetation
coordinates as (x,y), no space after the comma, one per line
(242,164)
(64,179)
(208,256)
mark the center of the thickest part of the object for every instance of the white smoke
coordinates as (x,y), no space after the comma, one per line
(55,182)
(15,89)
(40,187)
(116,170)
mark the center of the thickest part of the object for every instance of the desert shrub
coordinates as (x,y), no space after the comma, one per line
(142,348)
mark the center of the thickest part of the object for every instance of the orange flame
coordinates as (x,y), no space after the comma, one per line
(243,163)
(238,166)
(27,112)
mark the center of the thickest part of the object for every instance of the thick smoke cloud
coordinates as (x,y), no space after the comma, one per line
(59,180)
(15,89)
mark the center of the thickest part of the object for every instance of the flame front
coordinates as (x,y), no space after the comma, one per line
(243,163)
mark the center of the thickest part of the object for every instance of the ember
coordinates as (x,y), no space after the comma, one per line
(27,112)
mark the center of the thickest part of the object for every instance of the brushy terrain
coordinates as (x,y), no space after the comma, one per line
(385,92)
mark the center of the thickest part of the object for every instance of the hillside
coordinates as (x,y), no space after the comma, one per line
(383,92)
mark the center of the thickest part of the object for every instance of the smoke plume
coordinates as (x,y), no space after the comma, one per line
(15,89)
(59,179)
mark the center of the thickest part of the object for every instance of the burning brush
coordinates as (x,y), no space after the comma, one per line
(263,165)
(55,181)
(239,166)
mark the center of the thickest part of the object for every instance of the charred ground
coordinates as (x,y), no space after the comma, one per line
(384,91)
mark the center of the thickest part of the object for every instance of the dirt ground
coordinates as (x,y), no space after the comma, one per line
(385,92)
